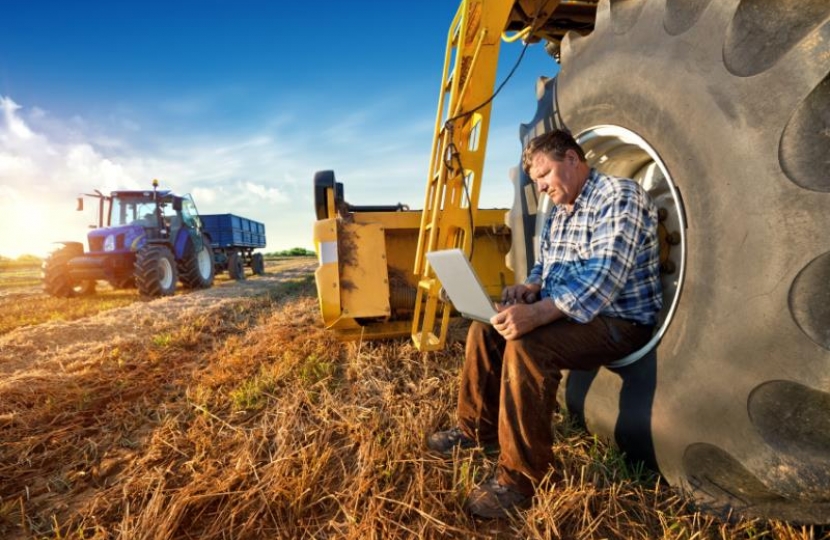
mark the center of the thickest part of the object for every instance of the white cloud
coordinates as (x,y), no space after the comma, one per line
(16,166)
(269,194)
(14,125)
(9,196)
(205,195)
(85,164)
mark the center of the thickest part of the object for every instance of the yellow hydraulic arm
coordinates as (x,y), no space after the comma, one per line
(461,128)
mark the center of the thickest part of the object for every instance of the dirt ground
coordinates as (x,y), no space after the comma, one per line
(76,397)
(57,344)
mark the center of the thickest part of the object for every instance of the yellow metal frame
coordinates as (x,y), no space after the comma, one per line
(462,123)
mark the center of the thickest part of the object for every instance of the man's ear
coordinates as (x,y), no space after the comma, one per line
(571,157)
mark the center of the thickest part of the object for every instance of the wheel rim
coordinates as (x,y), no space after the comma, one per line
(165,273)
(205,261)
(620,152)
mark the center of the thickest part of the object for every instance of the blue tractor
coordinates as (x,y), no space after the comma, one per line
(144,239)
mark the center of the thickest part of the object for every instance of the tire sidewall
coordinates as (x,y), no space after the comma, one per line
(236,267)
(258,264)
(196,269)
(56,279)
(156,272)
(204,262)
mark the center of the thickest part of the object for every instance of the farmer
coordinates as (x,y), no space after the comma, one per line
(591,298)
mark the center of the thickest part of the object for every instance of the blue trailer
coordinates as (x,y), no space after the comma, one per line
(234,240)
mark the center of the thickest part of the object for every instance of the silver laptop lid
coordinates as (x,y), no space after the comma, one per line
(462,284)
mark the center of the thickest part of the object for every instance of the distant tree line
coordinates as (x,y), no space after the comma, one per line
(293,252)
(23,260)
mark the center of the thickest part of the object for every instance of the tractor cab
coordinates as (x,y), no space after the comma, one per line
(129,219)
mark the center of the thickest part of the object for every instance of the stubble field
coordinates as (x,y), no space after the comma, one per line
(230,413)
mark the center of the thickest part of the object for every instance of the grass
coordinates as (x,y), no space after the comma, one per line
(38,309)
(15,274)
(247,420)
(23,281)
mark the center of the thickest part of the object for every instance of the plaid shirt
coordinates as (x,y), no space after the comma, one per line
(604,257)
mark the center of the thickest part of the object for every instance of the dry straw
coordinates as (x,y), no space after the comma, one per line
(243,419)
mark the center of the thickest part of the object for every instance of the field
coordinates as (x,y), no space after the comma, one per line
(230,413)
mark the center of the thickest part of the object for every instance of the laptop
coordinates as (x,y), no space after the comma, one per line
(461,284)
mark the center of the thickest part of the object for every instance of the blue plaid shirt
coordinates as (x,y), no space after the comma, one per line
(604,257)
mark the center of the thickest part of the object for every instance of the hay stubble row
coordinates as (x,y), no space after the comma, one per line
(230,413)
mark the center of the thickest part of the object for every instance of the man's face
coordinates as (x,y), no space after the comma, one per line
(561,181)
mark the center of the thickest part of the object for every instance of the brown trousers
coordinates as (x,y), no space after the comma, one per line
(508,388)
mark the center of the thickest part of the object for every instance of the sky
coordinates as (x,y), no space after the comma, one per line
(238,103)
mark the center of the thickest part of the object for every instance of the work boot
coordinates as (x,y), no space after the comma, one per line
(444,442)
(492,500)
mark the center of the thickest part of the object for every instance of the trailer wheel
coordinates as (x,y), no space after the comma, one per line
(236,266)
(56,278)
(727,102)
(155,271)
(258,264)
(196,268)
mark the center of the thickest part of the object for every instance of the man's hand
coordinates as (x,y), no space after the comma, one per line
(514,321)
(520,294)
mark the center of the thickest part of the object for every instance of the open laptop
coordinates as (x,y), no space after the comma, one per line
(462,284)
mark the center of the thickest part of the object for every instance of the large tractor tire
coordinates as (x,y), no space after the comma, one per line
(56,278)
(196,270)
(236,266)
(155,271)
(258,264)
(722,110)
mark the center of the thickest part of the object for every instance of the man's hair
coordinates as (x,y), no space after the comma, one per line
(554,144)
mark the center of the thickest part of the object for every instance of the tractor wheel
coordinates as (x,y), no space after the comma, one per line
(728,105)
(196,269)
(56,279)
(258,264)
(236,266)
(155,271)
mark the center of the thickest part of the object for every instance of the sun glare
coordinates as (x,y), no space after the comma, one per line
(31,228)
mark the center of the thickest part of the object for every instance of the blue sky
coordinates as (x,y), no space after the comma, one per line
(237,103)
